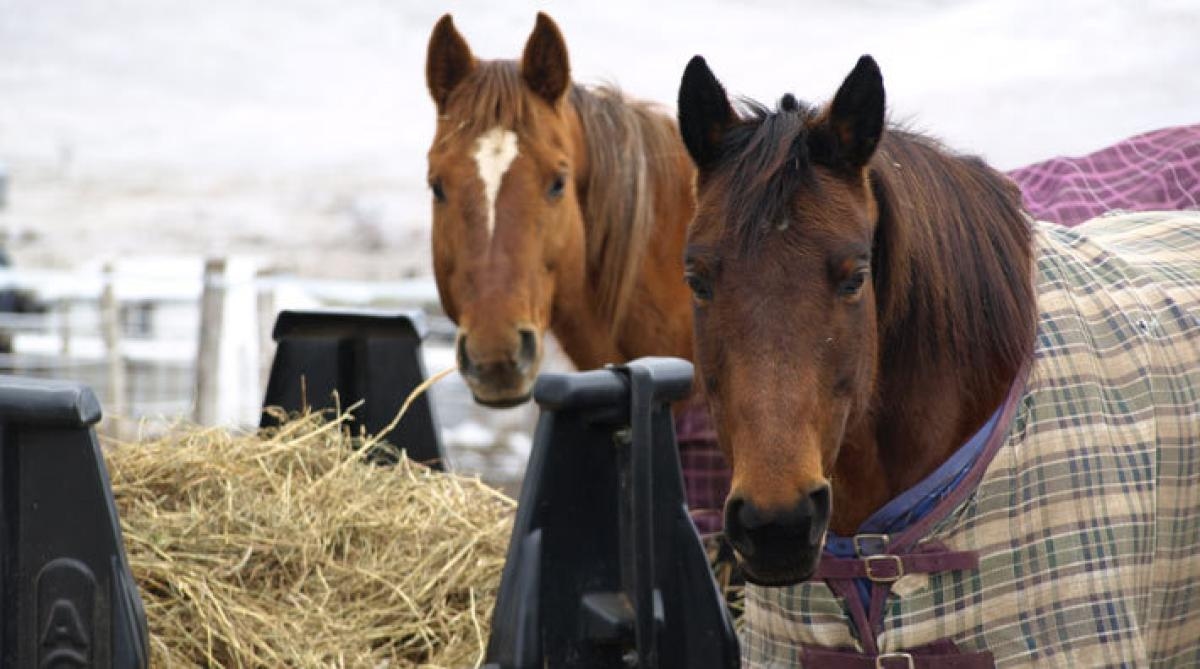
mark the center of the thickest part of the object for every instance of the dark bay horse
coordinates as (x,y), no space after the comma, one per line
(848,305)
(546,195)
(975,433)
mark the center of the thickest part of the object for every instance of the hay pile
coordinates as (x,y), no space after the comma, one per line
(286,549)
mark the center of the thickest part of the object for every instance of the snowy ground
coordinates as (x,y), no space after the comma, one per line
(296,130)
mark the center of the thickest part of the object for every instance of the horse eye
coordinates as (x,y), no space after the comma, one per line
(701,286)
(439,194)
(557,187)
(851,287)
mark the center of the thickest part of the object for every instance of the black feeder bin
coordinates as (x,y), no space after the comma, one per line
(67,598)
(605,568)
(361,355)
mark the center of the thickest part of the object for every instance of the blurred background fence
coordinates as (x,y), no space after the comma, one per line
(132,330)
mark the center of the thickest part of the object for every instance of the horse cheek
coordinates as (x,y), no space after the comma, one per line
(444,271)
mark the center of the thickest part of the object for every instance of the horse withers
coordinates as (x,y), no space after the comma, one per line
(546,195)
(959,437)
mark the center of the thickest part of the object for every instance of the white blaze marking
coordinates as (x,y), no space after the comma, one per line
(494,152)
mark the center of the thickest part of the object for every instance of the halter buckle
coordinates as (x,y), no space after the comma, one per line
(860,539)
(872,560)
(881,661)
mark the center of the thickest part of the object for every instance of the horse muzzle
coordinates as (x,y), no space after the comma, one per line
(500,375)
(778,547)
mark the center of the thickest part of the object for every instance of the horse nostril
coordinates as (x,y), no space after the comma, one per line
(751,528)
(735,530)
(527,354)
(465,367)
(750,518)
(819,499)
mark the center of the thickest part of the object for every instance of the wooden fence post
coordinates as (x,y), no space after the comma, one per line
(208,350)
(266,326)
(62,308)
(116,389)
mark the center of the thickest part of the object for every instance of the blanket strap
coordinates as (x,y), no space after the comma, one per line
(882,569)
(937,655)
(889,567)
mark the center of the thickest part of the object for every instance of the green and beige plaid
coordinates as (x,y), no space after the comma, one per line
(1087,520)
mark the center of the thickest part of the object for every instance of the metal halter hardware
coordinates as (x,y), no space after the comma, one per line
(860,539)
(875,577)
(881,661)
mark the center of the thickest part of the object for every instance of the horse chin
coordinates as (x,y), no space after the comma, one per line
(503,398)
(503,402)
(781,572)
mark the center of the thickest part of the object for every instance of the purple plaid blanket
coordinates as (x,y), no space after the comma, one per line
(705,474)
(1158,170)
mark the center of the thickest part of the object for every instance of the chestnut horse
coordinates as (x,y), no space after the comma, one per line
(868,307)
(545,196)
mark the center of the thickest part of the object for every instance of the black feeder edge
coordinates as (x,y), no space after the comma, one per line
(67,598)
(361,355)
(605,568)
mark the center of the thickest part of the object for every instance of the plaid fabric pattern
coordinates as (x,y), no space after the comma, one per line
(1159,170)
(706,484)
(706,476)
(1087,520)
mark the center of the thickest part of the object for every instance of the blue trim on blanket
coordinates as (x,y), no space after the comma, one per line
(912,504)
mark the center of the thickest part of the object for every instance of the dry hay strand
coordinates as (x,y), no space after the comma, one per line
(283,548)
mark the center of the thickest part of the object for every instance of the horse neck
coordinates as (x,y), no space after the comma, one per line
(955,251)
(656,318)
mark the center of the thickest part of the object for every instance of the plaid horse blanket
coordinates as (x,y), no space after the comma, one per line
(1158,170)
(1074,540)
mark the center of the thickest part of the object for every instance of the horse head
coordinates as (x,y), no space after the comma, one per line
(779,261)
(507,225)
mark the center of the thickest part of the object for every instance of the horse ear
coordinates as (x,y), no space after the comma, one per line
(856,114)
(544,64)
(447,62)
(704,113)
